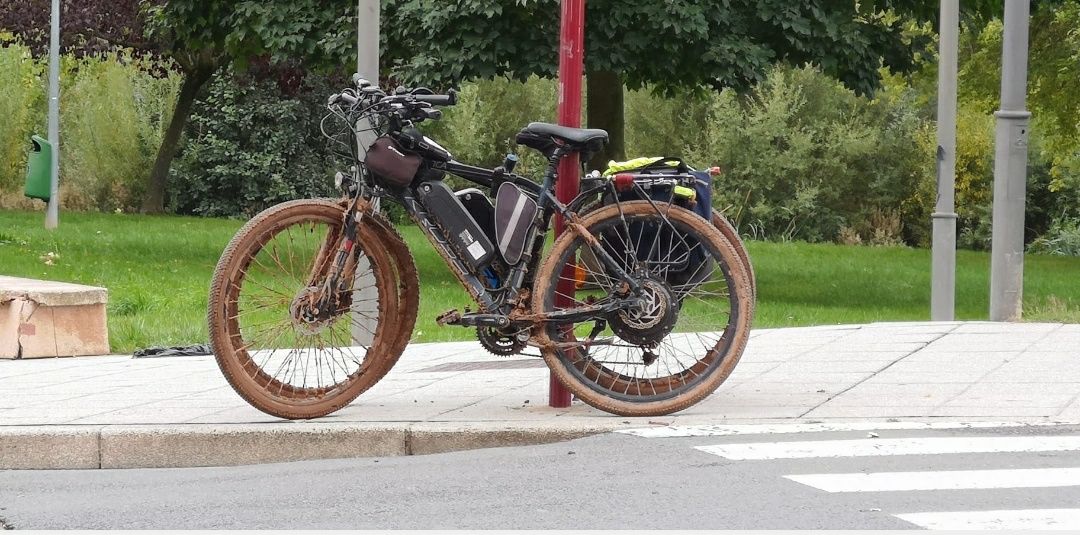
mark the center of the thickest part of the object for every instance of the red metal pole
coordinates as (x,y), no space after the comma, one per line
(571,71)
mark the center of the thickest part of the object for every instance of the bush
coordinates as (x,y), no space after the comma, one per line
(480,129)
(113,124)
(113,110)
(657,126)
(804,157)
(251,145)
(1063,239)
(21,105)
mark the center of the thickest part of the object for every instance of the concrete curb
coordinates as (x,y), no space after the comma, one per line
(181,446)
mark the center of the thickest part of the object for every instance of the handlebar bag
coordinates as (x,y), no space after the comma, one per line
(390,163)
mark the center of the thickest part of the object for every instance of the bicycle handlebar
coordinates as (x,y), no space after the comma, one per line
(449,99)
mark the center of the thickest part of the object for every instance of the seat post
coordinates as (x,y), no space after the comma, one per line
(551,176)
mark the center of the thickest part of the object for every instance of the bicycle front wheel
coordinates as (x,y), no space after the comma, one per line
(673,349)
(279,353)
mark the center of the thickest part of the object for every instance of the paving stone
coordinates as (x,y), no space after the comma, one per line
(975,373)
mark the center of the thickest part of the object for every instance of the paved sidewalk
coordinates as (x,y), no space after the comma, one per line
(178,411)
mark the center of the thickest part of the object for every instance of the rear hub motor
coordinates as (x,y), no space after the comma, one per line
(651,321)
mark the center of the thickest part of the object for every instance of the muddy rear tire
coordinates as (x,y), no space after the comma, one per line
(655,361)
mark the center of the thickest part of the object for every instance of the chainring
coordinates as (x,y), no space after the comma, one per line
(498,342)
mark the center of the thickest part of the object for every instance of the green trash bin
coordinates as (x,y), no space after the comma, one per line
(39,169)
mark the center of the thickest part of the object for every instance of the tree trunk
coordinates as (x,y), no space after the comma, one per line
(194,79)
(605,110)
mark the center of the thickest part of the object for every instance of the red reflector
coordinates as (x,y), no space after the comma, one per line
(624,181)
(714,171)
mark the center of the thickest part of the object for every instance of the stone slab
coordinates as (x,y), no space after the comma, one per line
(51,293)
(29,329)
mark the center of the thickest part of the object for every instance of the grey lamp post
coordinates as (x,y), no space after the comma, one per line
(1010,169)
(52,212)
(943,285)
(365,300)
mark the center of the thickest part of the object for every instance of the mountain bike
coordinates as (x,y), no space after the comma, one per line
(639,307)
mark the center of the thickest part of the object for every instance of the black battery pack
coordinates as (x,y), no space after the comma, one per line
(480,208)
(465,236)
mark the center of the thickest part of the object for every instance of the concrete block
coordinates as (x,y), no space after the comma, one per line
(48,448)
(428,438)
(51,319)
(229,445)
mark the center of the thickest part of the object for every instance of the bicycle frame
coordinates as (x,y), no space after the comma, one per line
(499,303)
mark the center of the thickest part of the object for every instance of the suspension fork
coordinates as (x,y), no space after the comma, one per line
(335,259)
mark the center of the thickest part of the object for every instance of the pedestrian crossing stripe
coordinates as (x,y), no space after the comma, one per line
(891,446)
(1022,519)
(941,480)
(820,427)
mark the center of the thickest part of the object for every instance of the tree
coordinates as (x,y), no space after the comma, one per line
(203,36)
(199,36)
(671,46)
(86,27)
(1053,98)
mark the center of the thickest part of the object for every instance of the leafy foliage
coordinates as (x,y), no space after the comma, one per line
(1062,239)
(114,111)
(250,146)
(198,36)
(87,27)
(667,44)
(114,118)
(805,157)
(22,98)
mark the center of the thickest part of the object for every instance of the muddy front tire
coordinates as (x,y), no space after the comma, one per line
(294,368)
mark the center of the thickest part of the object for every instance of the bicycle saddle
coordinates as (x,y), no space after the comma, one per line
(542,136)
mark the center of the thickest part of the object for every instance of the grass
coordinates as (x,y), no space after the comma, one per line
(157,269)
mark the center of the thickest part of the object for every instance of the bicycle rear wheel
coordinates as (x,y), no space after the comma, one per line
(278,354)
(732,235)
(673,350)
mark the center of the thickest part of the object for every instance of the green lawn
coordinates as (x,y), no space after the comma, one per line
(157,269)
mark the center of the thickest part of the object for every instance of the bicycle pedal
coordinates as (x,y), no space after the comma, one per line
(450,317)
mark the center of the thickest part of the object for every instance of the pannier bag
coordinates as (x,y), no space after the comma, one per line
(389,162)
(666,179)
(693,189)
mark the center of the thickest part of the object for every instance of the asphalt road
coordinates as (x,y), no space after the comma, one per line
(751,481)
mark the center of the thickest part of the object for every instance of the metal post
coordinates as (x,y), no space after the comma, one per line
(367,40)
(52,213)
(571,71)
(365,307)
(367,53)
(943,278)
(1010,169)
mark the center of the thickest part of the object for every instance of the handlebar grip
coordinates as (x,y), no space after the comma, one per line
(449,99)
(349,99)
(359,81)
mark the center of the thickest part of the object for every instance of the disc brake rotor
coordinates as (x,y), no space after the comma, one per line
(651,321)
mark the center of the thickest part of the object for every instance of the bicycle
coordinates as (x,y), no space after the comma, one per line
(313,301)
